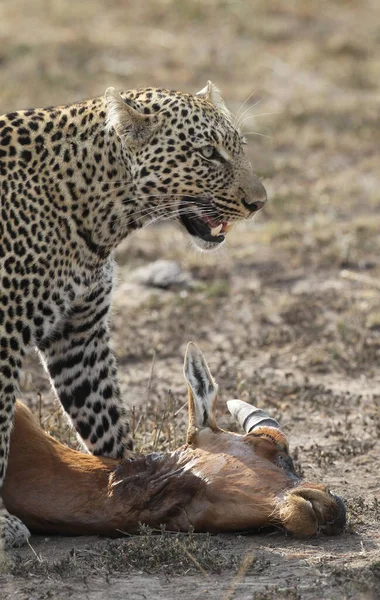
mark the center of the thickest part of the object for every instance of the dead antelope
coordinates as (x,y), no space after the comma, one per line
(219,481)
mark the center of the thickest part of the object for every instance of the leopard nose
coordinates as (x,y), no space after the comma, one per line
(256,198)
(253,206)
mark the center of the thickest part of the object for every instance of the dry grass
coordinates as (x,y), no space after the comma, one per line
(148,552)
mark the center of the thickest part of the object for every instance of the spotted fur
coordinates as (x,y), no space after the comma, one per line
(76,180)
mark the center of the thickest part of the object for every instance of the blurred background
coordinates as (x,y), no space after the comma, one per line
(288,313)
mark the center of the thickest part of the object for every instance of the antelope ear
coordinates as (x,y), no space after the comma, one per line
(130,125)
(202,390)
(212,94)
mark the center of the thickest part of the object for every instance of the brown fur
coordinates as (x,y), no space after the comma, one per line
(218,483)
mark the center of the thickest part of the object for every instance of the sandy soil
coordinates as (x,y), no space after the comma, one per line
(287,314)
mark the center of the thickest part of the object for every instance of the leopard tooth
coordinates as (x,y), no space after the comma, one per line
(215,231)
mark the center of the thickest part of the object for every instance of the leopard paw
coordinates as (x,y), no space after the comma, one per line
(13,532)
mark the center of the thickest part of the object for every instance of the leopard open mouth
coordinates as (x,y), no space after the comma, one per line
(205,227)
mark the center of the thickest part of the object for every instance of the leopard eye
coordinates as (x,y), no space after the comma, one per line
(211,153)
(208,152)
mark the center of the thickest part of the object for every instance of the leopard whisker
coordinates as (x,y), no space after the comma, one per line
(257,133)
(162,214)
(256,115)
(246,111)
(164,208)
(242,106)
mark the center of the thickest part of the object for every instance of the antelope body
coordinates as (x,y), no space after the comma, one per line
(219,481)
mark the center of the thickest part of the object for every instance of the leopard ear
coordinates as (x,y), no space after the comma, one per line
(131,126)
(212,94)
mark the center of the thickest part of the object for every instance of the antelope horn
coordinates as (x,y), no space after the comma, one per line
(250,417)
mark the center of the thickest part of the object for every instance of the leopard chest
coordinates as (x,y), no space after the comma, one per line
(67,305)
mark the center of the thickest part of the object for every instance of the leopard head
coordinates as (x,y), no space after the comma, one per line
(186,159)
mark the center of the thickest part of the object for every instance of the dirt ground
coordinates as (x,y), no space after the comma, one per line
(287,314)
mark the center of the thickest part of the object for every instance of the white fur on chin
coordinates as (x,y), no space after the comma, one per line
(203,246)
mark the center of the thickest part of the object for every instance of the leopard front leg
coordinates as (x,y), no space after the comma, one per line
(12,531)
(83,372)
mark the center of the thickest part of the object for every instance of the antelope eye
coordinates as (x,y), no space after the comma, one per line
(208,152)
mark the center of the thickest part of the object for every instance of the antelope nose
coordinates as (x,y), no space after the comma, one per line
(257,197)
(338,518)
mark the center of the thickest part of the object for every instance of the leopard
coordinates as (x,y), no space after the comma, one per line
(75,181)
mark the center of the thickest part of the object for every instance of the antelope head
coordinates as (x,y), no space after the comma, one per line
(248,480)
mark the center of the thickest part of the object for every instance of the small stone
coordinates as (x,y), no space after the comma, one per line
(161,274)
